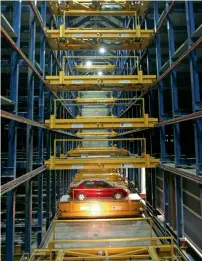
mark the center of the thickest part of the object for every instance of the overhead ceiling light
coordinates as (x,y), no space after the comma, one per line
(100,73)
(88,63)
(102,50)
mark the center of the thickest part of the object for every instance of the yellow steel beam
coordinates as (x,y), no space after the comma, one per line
(110,122)
(58,44)
(153,253)
(104,101)
(77,152)
(141,142)
(119,253)
(109,34)
(72,38)
(110,177)
(109,208)
(99,134)
(76,8)
(99,13)
(96,171)
(60,255)
(146,161)
(99,57)
(154,241)
(95,68)
(92,220)
(61,82)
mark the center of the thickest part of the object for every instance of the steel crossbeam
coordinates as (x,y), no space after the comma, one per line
(101,66)
(61,82)
(78,39)
(89,151)
(88,8)
(146,161)
(108,122)
(96,134)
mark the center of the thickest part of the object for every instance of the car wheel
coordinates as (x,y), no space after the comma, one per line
(118,196)
(81,197)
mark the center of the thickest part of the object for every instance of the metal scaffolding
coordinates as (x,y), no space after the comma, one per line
(38,84)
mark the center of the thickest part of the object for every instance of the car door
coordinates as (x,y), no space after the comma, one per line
(89,188)
(103,189)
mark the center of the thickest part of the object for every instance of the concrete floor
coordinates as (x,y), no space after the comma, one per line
(101,230)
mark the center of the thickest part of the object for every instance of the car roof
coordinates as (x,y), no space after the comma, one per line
(95,179)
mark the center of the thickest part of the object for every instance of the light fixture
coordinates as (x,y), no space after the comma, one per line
(88,63)
(100,73)
(102,50)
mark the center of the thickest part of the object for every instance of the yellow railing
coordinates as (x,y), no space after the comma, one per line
(105,101)
(77,142)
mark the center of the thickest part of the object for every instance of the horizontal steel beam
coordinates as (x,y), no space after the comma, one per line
(130,131)
(85,151)
(8,115)
(99,134)
(181,172)
(99,13)
(14,117)
(63,82)
(116,34)
(101,122)
(178,61)
(18,181)
(76,39)
(79,7)
(191,116)
(99,163)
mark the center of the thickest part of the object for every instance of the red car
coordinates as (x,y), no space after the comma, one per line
(96,188)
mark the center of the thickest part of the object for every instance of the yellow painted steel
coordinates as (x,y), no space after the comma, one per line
(144,251)
(63,82)
(133,161)
(98,134)
(88,8)
(78,39)
(145,161)
(137,248)
(96,67)
(108,176)
(117,253)
(77,142)
(96,171)
(99,58)
(97,151)
(113,177)
(96,101)
(106,101)
(105,122)
(95,208)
